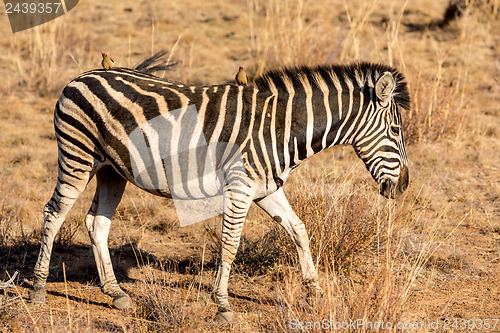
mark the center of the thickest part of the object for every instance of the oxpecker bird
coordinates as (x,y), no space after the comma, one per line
(241,77)
(107,62)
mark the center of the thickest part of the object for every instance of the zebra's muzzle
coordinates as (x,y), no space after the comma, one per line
(391,189)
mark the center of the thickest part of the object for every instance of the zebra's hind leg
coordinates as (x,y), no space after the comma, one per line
(68,188)
(237,201)
(109,191)
(277,206)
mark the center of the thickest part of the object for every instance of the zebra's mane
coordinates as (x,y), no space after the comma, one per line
(360,74)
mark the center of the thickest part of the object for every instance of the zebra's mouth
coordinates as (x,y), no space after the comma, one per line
(391,189)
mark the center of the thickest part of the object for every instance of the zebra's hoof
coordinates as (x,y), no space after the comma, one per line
(122,302)
(37,295)
(225,317)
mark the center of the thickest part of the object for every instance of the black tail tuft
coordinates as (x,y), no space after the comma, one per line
(154,63)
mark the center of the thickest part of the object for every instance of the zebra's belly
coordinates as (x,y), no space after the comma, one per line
(179,183)
(196,198)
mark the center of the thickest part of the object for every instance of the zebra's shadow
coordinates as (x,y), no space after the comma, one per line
(79,263)
(79,299)
(79,266)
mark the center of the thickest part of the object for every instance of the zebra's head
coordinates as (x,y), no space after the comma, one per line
(381,146)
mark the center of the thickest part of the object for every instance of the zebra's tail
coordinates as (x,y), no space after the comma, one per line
(155,63)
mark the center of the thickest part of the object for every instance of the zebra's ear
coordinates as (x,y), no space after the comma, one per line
(385,86)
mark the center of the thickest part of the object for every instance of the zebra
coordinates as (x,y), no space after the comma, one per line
(288,115)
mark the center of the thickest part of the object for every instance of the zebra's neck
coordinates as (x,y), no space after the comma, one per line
(326,105)
(318,117)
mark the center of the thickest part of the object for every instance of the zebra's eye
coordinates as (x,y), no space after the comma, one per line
(394,129)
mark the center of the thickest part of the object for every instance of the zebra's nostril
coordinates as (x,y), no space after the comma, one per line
(387,189)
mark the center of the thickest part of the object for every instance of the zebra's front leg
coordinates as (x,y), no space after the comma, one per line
(109,191)
(277,206)
(236,204)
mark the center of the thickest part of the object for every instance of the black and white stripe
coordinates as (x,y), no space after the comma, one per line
(289,115)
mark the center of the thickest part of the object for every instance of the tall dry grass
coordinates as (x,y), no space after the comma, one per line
(367,267)
(288,33)
(41,54)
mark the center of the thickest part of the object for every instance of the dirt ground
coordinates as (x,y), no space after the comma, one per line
(450,215)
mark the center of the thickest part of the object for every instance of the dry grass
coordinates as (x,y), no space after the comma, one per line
(40,55)
(377,259)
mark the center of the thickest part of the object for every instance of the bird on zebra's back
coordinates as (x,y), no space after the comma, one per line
(107,62)
(241,77)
